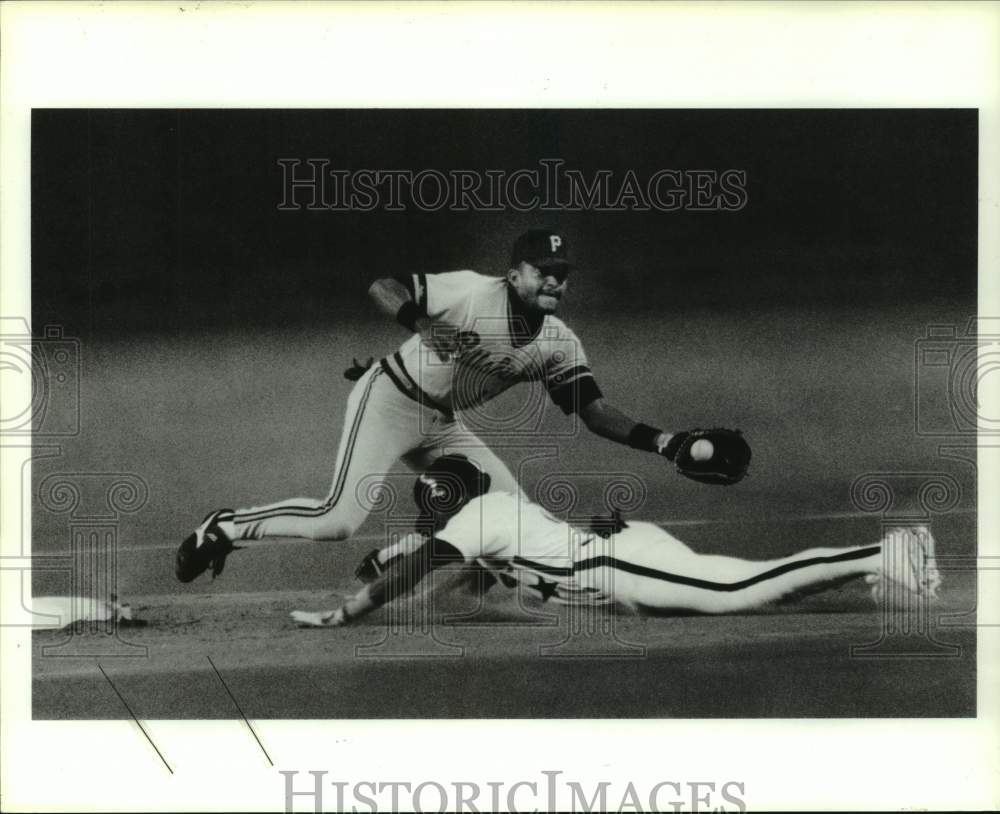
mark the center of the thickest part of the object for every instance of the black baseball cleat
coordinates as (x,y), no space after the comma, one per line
(370,568)
(207,548)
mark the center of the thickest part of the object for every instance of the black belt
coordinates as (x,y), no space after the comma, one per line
(411,391)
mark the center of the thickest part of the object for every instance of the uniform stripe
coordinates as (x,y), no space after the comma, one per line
(540,567)
(569,376)
(406,384)
(355,429)
(652,573)
(402,388)
(330,502)
(402,369)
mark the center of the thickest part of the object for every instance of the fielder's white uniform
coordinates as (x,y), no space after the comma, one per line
(408,405)
(641,566)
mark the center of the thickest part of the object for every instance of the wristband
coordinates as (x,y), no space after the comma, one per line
(643,437)
(674,444)
(408,314)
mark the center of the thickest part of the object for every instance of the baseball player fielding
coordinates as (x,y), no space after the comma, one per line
(473,337)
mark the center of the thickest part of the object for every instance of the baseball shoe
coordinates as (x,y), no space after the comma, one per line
(908,560)
(334,618)
(206,548)
(370,568)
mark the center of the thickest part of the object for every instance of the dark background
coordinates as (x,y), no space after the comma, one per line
(167,221)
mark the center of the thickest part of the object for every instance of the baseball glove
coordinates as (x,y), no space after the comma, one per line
(728,464)
(358,369)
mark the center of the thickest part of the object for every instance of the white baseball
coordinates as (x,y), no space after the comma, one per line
(702,450)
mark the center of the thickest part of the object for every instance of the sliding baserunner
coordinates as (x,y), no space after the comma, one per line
(640,566)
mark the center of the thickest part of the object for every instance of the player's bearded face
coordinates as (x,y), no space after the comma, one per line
(540,289)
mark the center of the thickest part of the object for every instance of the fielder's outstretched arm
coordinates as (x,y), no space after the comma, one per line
(402,576)
(604,419)
(710,456)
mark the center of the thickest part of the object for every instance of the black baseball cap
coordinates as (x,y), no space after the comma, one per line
(542,248)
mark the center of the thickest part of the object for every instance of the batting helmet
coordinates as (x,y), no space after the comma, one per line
(447,485)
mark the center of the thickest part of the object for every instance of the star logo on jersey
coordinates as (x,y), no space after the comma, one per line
(545,588)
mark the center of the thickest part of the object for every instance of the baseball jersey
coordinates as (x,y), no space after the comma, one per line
(523,543)
(483,313)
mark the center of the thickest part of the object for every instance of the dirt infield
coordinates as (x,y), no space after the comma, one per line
(829,655)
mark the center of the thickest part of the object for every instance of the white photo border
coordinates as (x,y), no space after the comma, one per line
(323,55)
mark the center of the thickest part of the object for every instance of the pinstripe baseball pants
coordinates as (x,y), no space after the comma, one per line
(381,426)
(645,566)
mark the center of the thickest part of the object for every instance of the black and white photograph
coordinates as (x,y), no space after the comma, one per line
(504,411)
(418,414)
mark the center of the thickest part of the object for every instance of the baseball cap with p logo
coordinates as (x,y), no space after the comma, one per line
(542,248)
